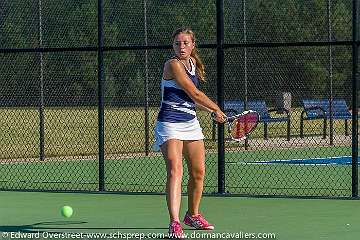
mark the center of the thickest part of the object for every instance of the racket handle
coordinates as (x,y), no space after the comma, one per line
(230,119)
(213,115)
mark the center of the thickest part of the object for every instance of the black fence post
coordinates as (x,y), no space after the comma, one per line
(330,72)
(355,78)
(41,103)
(146,87)
(101,81)
(220,91)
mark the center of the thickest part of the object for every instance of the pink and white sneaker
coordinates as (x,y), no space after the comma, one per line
(175,230)
(198,222)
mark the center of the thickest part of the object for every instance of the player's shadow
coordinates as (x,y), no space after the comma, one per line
(57,226)
(37,227)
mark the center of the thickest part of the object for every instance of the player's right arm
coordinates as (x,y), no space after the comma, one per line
(173,69)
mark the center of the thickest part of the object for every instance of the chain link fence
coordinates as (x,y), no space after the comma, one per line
(279,57)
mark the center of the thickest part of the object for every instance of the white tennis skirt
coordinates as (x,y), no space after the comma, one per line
(164,131)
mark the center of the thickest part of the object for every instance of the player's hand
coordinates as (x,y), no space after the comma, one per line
(219,116)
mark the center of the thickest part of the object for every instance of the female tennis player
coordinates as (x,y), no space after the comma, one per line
(178,131)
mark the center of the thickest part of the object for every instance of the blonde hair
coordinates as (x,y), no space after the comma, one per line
(200,68)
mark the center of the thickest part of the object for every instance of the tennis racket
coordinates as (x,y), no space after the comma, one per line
(240,126)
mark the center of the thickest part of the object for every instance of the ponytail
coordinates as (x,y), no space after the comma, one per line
(200,68)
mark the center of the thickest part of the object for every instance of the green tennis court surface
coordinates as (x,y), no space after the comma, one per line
(117,215)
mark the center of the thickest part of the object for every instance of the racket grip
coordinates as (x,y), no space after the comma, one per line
(213,115)
(230,119)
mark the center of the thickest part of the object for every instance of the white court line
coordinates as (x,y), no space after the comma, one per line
(289,161)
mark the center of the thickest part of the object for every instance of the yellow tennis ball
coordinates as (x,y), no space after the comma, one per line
(66,211)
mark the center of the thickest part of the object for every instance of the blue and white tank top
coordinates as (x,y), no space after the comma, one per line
(176,105)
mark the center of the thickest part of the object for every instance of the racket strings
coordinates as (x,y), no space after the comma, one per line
(243,125)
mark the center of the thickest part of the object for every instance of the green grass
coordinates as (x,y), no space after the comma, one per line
(71,147)
(74,131)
